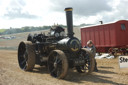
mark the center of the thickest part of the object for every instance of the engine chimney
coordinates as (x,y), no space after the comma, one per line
(69,21)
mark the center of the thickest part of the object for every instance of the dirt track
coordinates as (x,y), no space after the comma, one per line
(11,74)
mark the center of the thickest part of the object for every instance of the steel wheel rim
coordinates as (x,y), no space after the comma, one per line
(22,56)
(55,65)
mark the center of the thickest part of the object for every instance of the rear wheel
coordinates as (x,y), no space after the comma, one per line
(89,62)
(57,64)
(26,56)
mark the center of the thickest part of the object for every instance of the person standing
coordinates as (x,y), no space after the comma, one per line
(92,48)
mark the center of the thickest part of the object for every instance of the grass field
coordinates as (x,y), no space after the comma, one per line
(2,30)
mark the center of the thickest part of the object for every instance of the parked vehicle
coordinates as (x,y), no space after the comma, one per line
(111,37)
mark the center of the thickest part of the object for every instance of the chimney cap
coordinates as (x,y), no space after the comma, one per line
(68,9)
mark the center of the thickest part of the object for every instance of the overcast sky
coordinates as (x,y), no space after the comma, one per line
(19,13)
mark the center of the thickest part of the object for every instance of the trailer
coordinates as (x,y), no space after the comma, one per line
(111,37)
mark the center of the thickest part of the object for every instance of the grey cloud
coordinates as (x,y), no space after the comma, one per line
(17,3)
(122,9)
(82,7)
(15,10)
(119,13)
(17,13)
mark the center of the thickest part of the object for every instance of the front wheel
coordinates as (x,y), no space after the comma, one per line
(89,62)
(57,64)
(26,56)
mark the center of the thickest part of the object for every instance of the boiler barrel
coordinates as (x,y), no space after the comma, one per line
(69,44)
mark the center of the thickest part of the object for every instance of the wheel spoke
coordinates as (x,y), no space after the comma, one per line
(56,58)
(58,72)
(82,68)
(51,62)
(25,54)
(25,66)
(59,61)
(86,67)
(20,56)
(24,61)
(53,70)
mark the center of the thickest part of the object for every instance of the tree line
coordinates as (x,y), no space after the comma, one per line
(23,29)
(32,28)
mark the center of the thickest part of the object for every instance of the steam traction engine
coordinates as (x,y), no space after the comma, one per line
(57,51)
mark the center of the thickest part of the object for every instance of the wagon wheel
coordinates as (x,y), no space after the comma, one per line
(89,62)
(57,64)
(26,56)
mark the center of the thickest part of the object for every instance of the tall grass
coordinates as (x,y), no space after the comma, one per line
(2,30)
